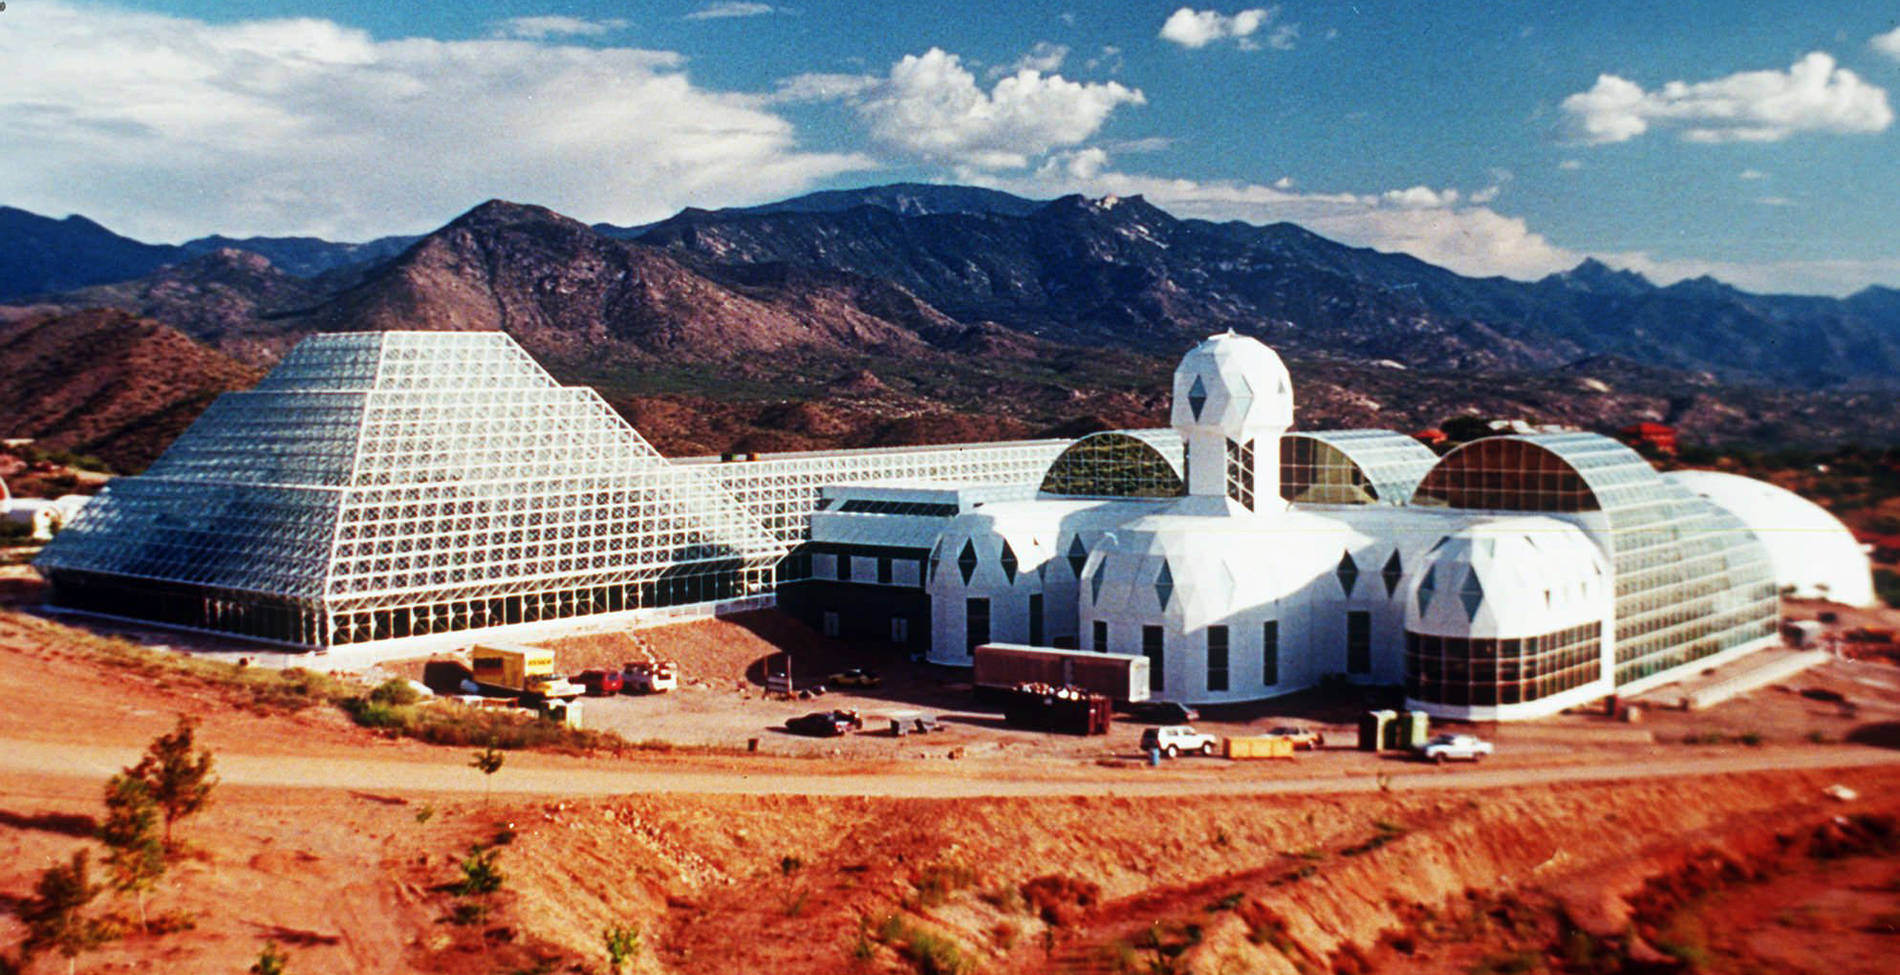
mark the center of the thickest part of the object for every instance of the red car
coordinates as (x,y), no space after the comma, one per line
(599,683)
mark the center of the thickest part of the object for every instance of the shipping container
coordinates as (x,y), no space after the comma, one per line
(1261,746)
(1116,676)
(1069,711)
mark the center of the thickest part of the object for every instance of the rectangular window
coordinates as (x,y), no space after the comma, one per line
(1151,647)
(1101,636)
(900,629)
(1358,642)
(976,623)
(1216,658)
(1035,619)
(844,568)
(1270,653)
(884,569)
(828,624)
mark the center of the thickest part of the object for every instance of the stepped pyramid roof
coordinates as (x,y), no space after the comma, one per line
(439,471)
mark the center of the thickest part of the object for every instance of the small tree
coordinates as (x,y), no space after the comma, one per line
(55,915)
(623,945)
(180,781)
(270,961)
(135,855)
(488,762)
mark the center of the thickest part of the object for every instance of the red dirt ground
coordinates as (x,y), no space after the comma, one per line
(299,849)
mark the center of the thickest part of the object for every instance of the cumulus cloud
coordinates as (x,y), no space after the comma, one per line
(1044,58)
(929,107)
(1192,28)
(726,10)
(1814,95)
(1570,164)
(539,28)
(1445,226)
(1888,43)
(1751,174)
(166,127)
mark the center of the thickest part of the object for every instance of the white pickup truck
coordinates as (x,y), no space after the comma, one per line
(1446,748)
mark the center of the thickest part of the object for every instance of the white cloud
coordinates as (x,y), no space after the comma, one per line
(1774,201)
(1442,226)
(930,108)
(1888,43)
(1445,227)
(1153,143)
(1814,95)
(1043,57)
(1751,174)
(1570,164)
(1109,61)
(1198,28)
(823,87)
(721,11)
(540,28)
(165,127)
(1829,277)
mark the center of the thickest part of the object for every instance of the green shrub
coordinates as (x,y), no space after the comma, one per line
(395,692)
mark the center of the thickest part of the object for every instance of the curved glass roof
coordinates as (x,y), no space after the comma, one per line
(1691,579)
(1351,466)
(1120,464)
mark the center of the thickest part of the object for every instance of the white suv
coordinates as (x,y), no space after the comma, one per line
(1172,740)
(1445,748)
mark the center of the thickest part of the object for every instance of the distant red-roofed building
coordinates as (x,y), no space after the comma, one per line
(1660,436)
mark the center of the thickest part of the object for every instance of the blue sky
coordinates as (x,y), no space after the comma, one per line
(1755,141)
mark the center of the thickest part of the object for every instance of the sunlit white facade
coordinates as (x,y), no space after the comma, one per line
(380,489)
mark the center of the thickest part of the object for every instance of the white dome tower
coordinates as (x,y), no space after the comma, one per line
(1232,402)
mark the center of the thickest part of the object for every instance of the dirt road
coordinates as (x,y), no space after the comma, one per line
(551,776)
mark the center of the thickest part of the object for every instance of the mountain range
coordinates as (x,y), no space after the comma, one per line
(947,312)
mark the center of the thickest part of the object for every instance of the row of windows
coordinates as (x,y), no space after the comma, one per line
(1484,671)
(1218,656)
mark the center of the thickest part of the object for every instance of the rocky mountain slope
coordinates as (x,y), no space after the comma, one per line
(105,383)
(41,256)
(1127,273)
(866,316)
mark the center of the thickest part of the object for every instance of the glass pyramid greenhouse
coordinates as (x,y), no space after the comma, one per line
(378,486)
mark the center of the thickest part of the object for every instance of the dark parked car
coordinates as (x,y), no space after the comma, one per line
(1165,712)
(599,683)
(819,724)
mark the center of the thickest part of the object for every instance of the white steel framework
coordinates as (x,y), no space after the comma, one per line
(387,485)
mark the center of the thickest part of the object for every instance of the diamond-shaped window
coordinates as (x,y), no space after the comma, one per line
(1164,585)
(966,562)
(1197,397)
(1471,594)
(1078,555)
(1348,572)
(1426,587)
(1391,573)
(1009,562)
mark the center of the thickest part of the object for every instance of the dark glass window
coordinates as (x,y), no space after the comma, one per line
(1270,653)
(1358,642)
(1101,636)
(976,623)
(1035,619)
(1153,649)
(1216,658)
